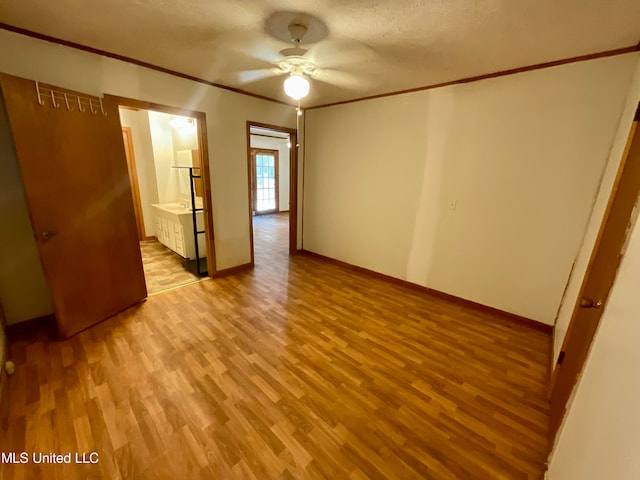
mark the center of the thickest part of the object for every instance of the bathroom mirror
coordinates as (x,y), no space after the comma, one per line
(188,158)
(185,144)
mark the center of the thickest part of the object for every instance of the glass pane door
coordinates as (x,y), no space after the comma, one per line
(266,178)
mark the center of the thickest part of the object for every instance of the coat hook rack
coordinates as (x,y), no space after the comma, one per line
(57,97)
(53,100)
(40,101)
(66,101)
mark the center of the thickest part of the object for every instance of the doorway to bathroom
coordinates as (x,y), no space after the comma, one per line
(273,194)
(166,150)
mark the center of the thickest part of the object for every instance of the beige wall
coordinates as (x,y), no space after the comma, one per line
(23,290)
(227,114)
(520,156)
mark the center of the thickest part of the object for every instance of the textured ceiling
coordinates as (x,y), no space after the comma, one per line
(373,46)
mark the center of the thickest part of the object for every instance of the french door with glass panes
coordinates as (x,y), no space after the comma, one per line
(264,180)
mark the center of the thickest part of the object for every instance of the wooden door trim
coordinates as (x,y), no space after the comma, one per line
(205,171)
(135,186)
(276,155)
(634,136)
(293,184)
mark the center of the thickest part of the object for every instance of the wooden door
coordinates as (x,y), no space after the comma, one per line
(133,181)
(598,280)
(264,180)
(77,187)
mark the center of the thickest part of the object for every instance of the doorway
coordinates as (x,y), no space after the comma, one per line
(273,190)
(617,223)
(167,160)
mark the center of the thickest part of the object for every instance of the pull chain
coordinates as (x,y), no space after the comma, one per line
(298,115)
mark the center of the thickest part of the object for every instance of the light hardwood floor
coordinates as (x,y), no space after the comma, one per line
(299,369)
(163,268)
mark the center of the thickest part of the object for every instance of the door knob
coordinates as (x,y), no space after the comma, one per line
(45,236)
(588,303)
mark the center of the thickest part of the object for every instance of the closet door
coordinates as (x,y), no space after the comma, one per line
(76,181)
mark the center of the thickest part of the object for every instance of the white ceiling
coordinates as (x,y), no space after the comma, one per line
(388,45)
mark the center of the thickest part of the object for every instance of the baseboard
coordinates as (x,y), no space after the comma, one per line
(233,270)
(534,324)
(151,237)
(26,328)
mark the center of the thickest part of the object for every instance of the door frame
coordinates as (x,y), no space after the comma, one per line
(133,179)
(254,189)
(293,184)
(205,172)
(576,343)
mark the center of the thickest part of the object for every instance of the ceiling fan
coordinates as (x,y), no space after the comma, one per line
(312,55)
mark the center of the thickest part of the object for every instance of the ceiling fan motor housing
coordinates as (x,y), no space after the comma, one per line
(298,65)
(297,31)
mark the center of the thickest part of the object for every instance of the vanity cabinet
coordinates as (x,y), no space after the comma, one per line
(174,229)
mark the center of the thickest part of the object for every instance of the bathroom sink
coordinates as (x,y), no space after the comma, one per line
(173,207)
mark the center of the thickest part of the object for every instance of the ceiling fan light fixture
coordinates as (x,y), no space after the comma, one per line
(296,86)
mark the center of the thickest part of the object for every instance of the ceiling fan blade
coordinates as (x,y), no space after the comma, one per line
(250,76)
(250,46)
(336,52)
(265,53)
(343,79)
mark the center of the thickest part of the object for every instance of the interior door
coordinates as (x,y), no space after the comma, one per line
(598,280)
(74,170)
(265,180)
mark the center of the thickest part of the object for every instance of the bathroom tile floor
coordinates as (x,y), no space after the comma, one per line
(163,268)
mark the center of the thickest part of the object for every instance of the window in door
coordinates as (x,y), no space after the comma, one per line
(265,180)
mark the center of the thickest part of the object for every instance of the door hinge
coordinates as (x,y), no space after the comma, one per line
(560,358)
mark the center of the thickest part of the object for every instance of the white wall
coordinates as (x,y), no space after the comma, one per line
(138,121)
(521,156)
(600,204)
(24,293)
(185,137)
(600,437)
(163,156)
(280,145)
(227,114)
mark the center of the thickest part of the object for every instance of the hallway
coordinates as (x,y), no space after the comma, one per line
(271,240)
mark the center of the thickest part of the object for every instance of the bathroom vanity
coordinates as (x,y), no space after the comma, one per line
(174,229)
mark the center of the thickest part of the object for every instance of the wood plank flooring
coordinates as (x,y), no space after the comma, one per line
(299,369)
(163,268)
